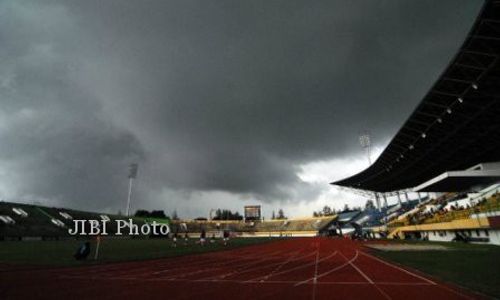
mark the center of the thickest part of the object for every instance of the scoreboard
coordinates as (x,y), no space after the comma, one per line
(252,212)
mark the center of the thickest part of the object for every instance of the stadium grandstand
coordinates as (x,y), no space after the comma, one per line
(27,221)
(300,227)
(31,222)
(449,148)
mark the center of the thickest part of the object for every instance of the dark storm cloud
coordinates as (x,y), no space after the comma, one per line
(207,95)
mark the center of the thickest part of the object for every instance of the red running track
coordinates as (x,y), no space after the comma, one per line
(304,268)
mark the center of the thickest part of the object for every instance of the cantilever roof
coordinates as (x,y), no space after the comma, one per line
(459,180)
(456,125)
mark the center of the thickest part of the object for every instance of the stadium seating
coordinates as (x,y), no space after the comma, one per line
(36,223)
(451,206)
(20,212)
(287,225)
(25,220)
(449,215)
(7,220)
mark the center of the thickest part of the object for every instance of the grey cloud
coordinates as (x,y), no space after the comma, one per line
(208,95)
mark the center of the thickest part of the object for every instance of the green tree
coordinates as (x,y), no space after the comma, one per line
(281,215)
(174,215)
(327,211)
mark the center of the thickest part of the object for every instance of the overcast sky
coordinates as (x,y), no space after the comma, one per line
(222,103)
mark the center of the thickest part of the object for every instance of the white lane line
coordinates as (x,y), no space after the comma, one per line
(316,268)
(211,264)
(430,282)
(298,267)
(265,277)
(315,274)
(367,278)
(205,260)
(246,270)
(216,262)
(330,271)
(119,268)
(289,260)
(133,267)
(248,282)
(159,262)
(398,268)
(245,267)
(275,253)
(146,270)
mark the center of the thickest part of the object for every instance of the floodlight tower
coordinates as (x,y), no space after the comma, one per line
(365,142)
(132,174)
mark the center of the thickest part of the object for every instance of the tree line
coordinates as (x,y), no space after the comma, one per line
(279,216)
(226,214)
(142,213)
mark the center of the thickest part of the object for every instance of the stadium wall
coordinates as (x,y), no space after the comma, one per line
(493,236)
(478,229)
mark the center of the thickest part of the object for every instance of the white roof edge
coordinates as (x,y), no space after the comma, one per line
(466,173)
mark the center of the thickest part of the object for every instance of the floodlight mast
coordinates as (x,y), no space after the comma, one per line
(365,142)
(132,174)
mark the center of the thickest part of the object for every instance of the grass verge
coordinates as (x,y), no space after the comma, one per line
(472,266)
(60,253)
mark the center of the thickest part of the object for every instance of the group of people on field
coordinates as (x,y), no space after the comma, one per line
(84,249)
(176,236)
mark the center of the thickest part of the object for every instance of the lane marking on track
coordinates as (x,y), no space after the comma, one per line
(248,282)
(238,272)
(282,264)
(135,266)
(243,268)
(398,268)
(330,271)
(168,262)
(172,267)
(212,261)
(224,256)
(211,264)
(367,278)
(297,268)
(316,268)
(315,274)
(271,274)
(430,282)
(225,264)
